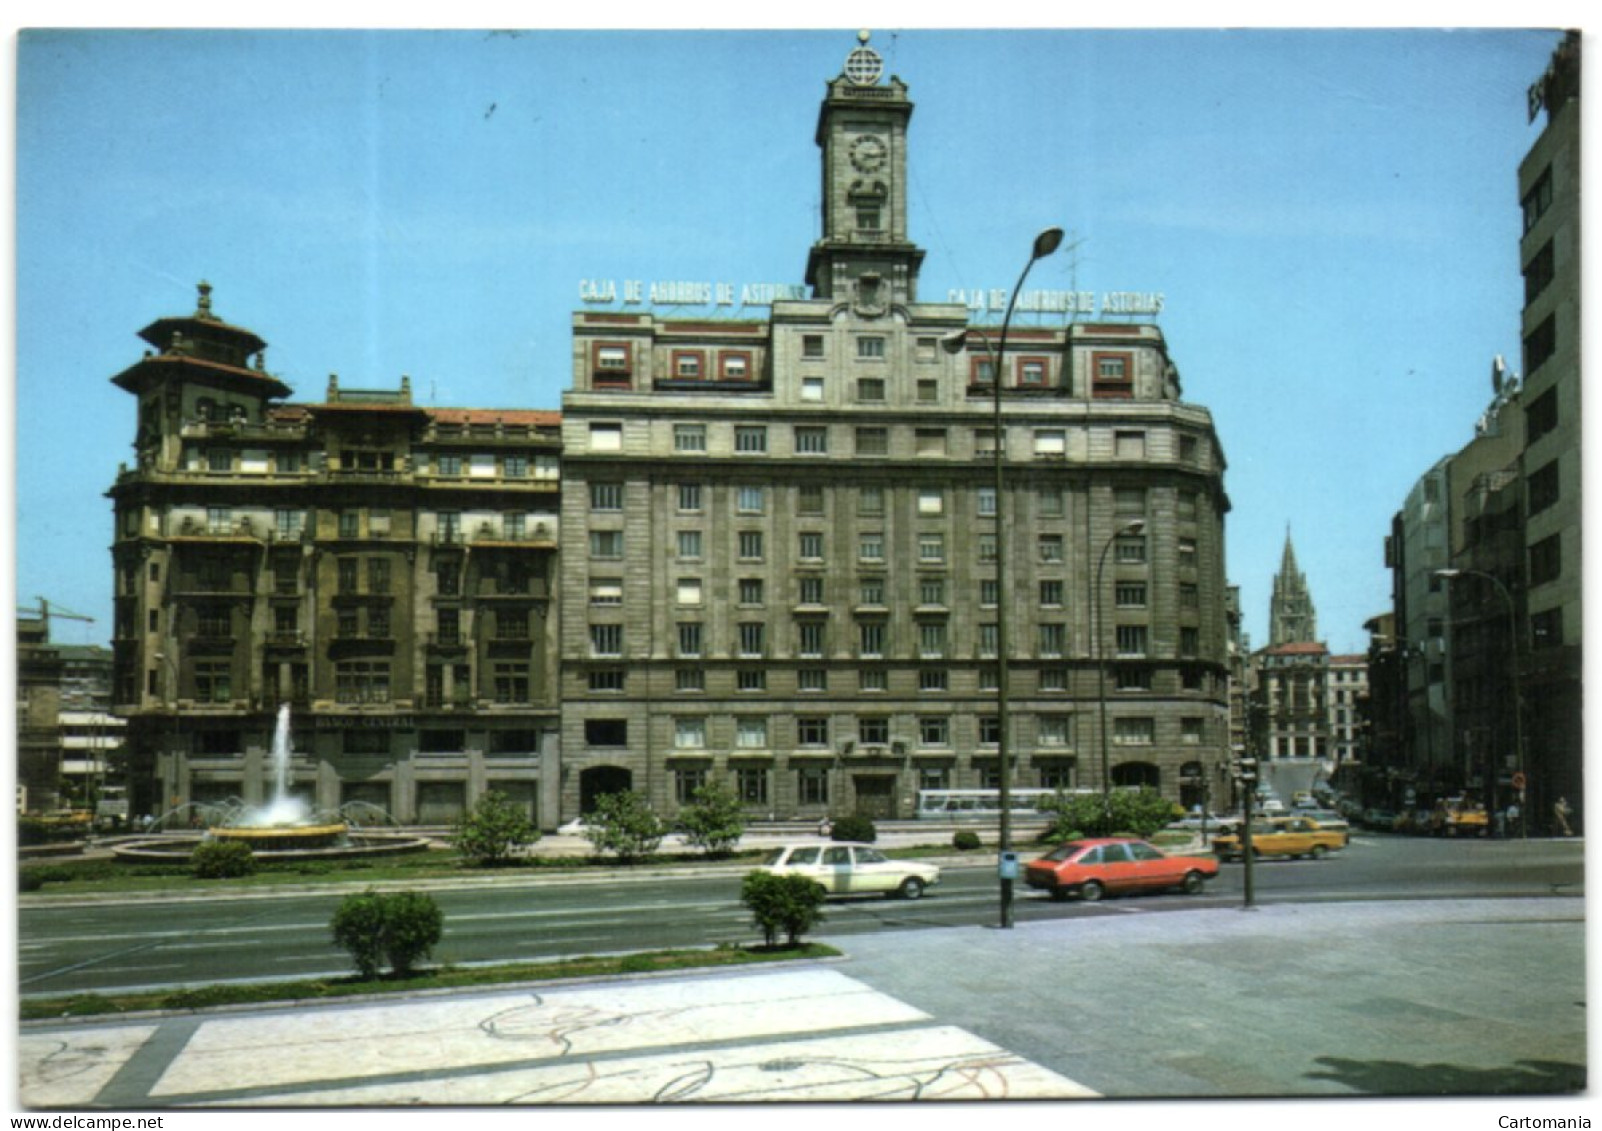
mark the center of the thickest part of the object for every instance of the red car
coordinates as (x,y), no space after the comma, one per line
(1094,868)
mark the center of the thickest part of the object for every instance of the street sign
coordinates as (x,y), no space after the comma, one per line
(1518,780)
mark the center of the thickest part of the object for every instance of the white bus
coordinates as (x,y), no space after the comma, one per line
(985,804)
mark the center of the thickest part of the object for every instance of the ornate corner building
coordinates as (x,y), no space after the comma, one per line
(780,536)
(387,570)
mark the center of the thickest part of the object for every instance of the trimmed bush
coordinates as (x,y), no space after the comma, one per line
(791,905)
(965,840)
(495,829)
(222,860)
(400,926)
(855,828)
(1138,812)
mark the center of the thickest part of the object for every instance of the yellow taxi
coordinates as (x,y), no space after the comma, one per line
(1282,836)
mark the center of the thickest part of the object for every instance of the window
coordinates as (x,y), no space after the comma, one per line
(930,441)
(870,390)
(987,547)
(1130,549)
(511,683)
(1130,594)
(1129,445)
(689,544)
(931,591)
(812,345)
(1031,371)
(751,783)
(1051,547)
(873,441)
(750,590)
(689,679)
(873,730)
(689,437)
(811,730)
(1186,548)
(606,437)
(870,547)
(812,388)
(985,499)
(361,681)
(812,679)
(687,782)
(608,680)
(751,679)
(448,465)
(1131,639)
(932,639)
(1540,345)
(606,544)
(606,496)
(1131,501)
(751,733)
(870,637)
(1050,502)
(812,785)
(872,679)
(606,640)
(689,590)
(734,366)
(928,391)
(811,440)
(931,500)
(810,545)
(811,636)
(931,548)
(870,347)
(1112,374)
(750,545)
(1543,488)
(219,459)
(514,467)
(870,500)
(1538,273)
(1134,732)
(348,573)
(873,591)
(749,500)
(934,730)
(753,638)
(1537,200)
(809,499)
(989,640)
(613,363)
(1050,443)
(1053,639)
(687,365)
(689,733)
(606,732)
(1541,416)
(981,370)
(1189,642)
(989,730)
(1053,679)
(1546,560)
(1189,595)
(751,439)
(1051,593)
(690,498)
(1127,677)
(213,681)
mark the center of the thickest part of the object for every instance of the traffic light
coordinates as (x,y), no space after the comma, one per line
(1246,771)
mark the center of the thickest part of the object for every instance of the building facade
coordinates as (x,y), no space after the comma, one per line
(386,570)
(779,536)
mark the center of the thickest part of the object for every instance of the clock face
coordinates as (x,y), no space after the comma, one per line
(867,153)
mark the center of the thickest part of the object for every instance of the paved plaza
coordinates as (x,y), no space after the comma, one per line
(1433,998)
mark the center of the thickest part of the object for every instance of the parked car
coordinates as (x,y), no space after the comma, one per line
(1459,816)
(1282,836)
(1096,867)
(1194,819)
(1380,820)
(852,869)
(1329,819)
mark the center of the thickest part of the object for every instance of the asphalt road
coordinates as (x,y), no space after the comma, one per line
(98,945)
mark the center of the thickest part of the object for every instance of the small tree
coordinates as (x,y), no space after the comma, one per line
(222,860)
(493,830)
(400,926)
(792,905)
(625,824)
(714,820)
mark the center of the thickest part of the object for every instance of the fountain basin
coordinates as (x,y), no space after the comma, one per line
(282,838)
(176,848)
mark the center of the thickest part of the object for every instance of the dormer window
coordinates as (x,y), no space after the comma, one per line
(687,365)
(1112,374)
(734,365)
(613,364)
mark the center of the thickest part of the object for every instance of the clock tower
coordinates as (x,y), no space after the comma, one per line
(864,257)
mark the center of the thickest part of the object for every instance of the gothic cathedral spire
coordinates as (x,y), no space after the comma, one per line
(1291,618)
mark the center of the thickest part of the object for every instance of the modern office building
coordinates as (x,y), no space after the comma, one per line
(779,533)
(1549,252)
(386,570)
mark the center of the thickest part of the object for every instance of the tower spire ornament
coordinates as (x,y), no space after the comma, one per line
(864,65)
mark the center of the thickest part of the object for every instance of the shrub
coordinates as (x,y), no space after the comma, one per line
(714,820)
(965,840)
(495,828)
(625,825)
(792,905)
(1126,812)
(855,828)
(401,926)
(29,879)
(222,860)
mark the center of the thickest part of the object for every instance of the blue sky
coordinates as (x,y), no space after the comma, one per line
(1332,217)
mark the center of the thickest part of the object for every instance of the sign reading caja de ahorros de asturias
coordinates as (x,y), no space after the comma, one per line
(680,293)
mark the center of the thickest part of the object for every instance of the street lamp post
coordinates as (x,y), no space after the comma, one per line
(1513,678)
(1045,243)
(1135,526)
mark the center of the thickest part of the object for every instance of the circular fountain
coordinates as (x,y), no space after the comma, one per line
(284,828)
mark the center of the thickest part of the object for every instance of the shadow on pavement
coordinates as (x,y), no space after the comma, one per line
(1396,1078)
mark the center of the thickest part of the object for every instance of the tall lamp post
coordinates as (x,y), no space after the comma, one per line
(1135,526)
(1045,243)
(1513,678)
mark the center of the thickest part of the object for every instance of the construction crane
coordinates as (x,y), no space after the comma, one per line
(45,611)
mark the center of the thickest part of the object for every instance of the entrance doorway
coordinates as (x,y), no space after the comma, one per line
(598,781)
(876,796)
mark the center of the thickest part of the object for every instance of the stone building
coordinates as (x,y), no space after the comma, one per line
(779,534)
(387,570)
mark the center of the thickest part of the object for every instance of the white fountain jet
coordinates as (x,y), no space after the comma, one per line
(282,808)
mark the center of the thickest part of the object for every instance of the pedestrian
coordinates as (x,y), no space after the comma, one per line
(1561,813)
(1513,819)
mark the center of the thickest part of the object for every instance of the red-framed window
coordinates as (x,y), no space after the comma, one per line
(1032,372)
(736,365)
(689,365)
(612,364)
(1112,373)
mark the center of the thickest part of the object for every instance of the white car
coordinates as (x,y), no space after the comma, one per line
(852,869)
